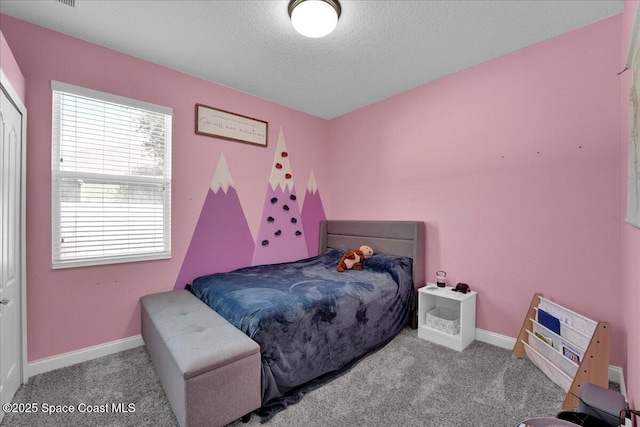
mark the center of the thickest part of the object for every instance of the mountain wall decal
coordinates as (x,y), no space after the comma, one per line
(221,240)
(281,236)
(312,214)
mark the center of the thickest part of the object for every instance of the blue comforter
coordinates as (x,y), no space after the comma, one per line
(311,322)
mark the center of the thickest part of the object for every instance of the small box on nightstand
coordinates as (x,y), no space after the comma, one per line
(443,319)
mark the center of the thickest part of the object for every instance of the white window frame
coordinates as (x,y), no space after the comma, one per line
(57,261)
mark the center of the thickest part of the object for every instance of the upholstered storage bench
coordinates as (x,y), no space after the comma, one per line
(210,371)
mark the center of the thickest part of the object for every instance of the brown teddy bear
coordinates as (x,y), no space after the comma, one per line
(354,258)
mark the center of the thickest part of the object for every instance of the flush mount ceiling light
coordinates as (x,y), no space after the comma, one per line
(314,18)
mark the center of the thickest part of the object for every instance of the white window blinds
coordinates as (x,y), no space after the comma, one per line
(111,195)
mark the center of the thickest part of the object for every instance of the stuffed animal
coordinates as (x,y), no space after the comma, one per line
(353,259)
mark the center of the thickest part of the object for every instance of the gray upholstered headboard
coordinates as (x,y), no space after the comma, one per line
(403,238)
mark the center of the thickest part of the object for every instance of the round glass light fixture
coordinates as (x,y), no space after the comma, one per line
(314,18)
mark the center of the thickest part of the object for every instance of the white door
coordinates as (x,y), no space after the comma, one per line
(10,250)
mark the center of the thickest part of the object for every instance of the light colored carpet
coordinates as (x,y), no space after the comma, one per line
(410,382)
(125,377)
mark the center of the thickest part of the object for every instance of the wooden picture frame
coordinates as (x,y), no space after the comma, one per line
(223,124)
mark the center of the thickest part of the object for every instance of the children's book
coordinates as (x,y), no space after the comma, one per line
(549,321)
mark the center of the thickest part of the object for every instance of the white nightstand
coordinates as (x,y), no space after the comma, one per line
(430,297)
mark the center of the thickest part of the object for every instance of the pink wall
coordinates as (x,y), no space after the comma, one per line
(76,308)
(10,68)
(630,235)
(515,167)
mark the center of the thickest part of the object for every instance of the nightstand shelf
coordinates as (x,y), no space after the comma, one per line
(431,297)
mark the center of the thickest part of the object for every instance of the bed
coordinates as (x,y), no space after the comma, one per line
(313,323)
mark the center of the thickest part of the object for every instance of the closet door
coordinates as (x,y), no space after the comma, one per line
(10,250)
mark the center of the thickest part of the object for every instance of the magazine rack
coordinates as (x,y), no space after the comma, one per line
(578,354)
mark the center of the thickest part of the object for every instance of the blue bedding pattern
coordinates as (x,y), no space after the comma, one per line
(311,322)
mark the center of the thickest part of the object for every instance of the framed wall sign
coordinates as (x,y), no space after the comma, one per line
(633,63)
(225,124)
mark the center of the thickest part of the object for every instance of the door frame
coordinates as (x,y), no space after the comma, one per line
(13,97)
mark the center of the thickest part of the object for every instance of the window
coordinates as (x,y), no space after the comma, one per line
(111,167)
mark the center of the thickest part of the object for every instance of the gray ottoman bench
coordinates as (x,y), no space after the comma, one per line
(210,371)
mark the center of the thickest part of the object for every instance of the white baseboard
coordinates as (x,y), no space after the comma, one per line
(615,372)
(498,340)
(67,359)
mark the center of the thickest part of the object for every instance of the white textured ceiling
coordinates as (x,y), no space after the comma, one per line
(379,49)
